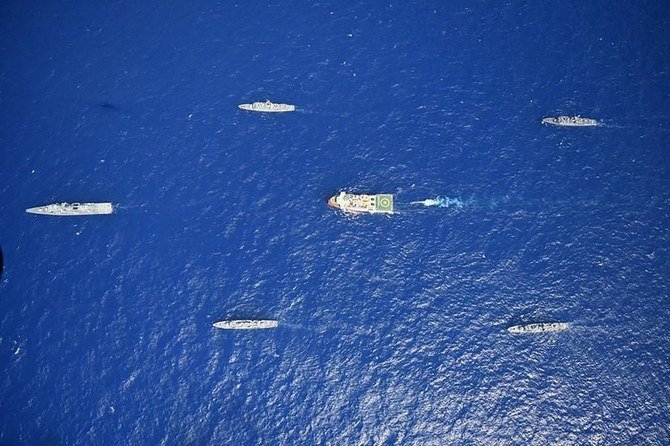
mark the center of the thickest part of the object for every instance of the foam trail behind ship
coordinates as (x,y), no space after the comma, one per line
(443,202)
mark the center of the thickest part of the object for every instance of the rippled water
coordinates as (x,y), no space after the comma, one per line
(392,329)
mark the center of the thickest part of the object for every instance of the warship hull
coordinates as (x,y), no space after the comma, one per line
(570,121)
(246,324)
(267,107)
(72,209)
(538,328)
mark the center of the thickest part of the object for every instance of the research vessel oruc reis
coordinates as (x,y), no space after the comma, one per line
(69,209)
(359,204)
(246,324)
(267,107)
(538,328)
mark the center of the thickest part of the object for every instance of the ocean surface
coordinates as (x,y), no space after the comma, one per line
(392,328)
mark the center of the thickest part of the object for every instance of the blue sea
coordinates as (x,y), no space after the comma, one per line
(393,329)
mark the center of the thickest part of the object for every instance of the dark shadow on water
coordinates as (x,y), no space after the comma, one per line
(49,439)
(35,438)
(325,196)
(108,108)
(104,105)
(331,114)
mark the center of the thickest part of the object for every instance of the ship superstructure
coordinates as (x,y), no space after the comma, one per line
(355,203)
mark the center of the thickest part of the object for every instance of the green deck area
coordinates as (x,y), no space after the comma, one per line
(384,203)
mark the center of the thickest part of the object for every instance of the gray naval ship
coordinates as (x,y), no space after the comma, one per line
(570,121)
(246,324)
(538,328)
(268,107)
(69,209)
